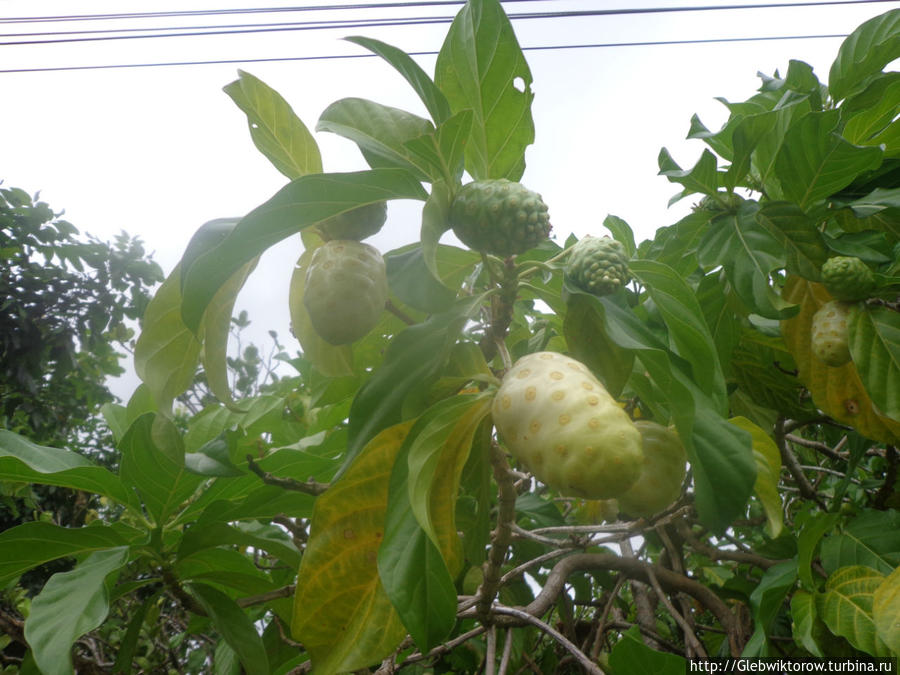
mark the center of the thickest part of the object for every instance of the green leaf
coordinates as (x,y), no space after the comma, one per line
(481,68)
(442,152)
(875,348)
(747,134)
(213,458)
(412,282)
(167,353)
(886,609)
(412,358)
(379,130)
(768,472)
(767,601)
(797,234)
(270,538)
(815,162)
(749,252)
(864,53)
(702,177)
(235,626)
(621,232)
(155,470)
(71,604)
(588,342)
(631,656)
(803,619)
(301,203)
(274,127)
(129,643)
(808,544)
(412,569)
(871,539)
(870,115)
(436,451)
(24,461)
(35,543)
(341,612)
(431,96)
(689,334)
(846,607)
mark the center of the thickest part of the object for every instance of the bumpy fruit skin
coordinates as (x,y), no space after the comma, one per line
(830,333)
(499,216)
(356,224)
(598,265)
(346,288)
(848,278)
(559,421)
(665,465)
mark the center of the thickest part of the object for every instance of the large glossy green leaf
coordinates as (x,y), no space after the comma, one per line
(766,602)
(797,234)
(301,203)
(803,619)
(156,469)
(702,177)
(631,656)
(864,53)
(749,253)
(341,612)
(588,342)
(886,609)
(24,461)
(379,130)
(747,134)
(689,334)
(274,127)
(412,282)
(167,353)
(481,68)
(875,347)
(846,607)
(868,115)
(235,626)
(424,86)
(721,456)
(815,161)
(412,359)
(441,153)
(228,569)
(71,604)
(34,543)
(270,538)
(768,473)
(871,539)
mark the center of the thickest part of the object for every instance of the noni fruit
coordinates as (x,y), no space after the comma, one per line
(356,224)
(499,216)
(558,420)
(598,265)
(346,288)
(665,465)
(848,278)
(830,333)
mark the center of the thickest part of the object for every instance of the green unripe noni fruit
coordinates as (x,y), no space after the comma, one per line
(598,265)
(559,421)
(663,471)
(356,224)
(346,288)
(499,216)
(830,333)
(848,278)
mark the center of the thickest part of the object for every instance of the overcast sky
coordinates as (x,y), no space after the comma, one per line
(158,151)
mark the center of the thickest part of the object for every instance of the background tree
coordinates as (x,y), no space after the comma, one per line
(390,509)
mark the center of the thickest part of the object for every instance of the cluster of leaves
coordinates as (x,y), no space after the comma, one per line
(367,514)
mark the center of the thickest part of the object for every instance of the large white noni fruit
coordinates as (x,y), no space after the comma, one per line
(558,420)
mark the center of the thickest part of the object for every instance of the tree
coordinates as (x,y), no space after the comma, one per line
(391,509)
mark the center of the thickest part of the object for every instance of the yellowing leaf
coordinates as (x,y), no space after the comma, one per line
(838,392)
(886,611)
(846,607)
(341,613)
(768,466)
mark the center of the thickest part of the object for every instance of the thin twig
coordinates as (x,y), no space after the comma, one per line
(310,487)
(399,313)
(262,598)
(689,635)
(507,652)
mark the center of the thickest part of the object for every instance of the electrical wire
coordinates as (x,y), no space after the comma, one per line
(421,53)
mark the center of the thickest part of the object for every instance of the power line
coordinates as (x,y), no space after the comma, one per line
(245,29)
(416,3)
(422,53)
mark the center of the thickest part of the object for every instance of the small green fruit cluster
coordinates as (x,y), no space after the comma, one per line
(558,420)
(663,472)
(598,265)
(847,278)
(499,216)
(356,224)
(346,289)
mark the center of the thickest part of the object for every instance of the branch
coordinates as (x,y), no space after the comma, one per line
(310,487)
(262,598)
(793,465)
(890,478)
(716,554)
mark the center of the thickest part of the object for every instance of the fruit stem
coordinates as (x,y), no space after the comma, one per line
(501,310)
(501,537)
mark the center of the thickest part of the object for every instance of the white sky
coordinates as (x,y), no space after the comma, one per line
(159,151)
